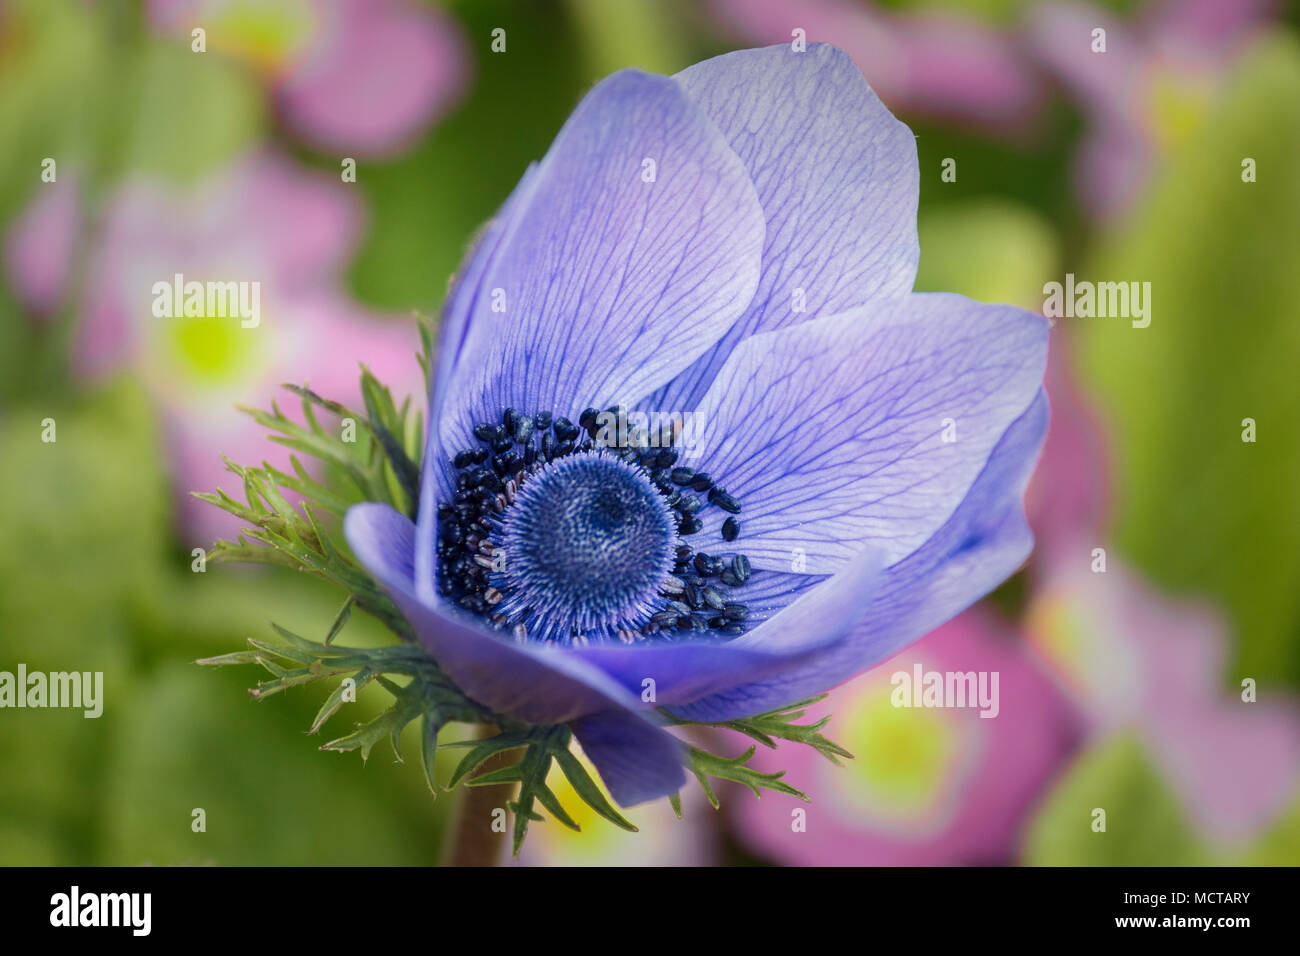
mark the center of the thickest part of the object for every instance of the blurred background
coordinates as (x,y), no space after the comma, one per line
(1155,678)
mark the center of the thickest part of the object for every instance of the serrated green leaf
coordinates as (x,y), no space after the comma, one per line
(428,749)
(780,724)
(335,700)
(482,750)
(547,798)
(585,787)
(735,769)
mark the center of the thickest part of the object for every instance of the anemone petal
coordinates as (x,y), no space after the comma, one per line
(838,180)
(637,248)
(981,545)
(864,428)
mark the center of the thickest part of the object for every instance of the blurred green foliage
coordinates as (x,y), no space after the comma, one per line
(1143,823)
(1201,511)
(90,580)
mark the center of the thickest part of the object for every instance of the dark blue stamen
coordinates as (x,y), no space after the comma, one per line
(557,535)
(564,430)
(714,598)
(723,500)
(695,596)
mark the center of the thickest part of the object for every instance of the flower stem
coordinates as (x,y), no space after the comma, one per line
(477,835)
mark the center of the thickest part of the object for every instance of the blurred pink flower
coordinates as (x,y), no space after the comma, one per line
(261,221)
(938,64)
(1134,660)
(357,76)
(38,249)
(927,786)
(1148,89)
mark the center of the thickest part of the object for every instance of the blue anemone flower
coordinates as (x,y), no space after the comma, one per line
(691,432)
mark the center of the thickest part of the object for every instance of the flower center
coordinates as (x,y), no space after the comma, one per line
(575,533)
(589,543)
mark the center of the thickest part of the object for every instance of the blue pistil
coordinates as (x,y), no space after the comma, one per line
(588,546)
